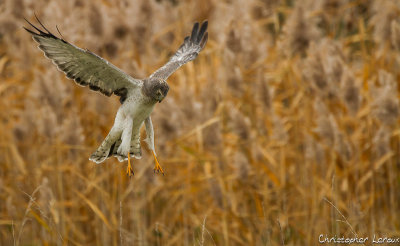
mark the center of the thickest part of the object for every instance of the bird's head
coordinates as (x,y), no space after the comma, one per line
(161,91)
(155,88)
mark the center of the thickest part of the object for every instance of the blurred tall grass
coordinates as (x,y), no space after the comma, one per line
(284,128)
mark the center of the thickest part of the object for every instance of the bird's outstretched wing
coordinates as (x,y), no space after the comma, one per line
(188,51)
(83,66)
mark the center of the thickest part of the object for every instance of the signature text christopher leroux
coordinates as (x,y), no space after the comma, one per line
(357,240)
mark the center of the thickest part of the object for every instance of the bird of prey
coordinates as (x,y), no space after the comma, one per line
(137,96)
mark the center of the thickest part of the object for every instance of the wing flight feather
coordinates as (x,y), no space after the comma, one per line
(83,66)
(188,51)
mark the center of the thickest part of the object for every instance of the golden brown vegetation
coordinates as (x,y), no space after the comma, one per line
(284,128)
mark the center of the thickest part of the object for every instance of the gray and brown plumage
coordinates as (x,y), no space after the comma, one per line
(137,96)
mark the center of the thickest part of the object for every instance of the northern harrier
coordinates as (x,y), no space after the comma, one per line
(137,96)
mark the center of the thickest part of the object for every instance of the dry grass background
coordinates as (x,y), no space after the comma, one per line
(284,128)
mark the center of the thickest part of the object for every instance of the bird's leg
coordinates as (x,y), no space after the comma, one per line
(123,149)
(129,170)
(157,167)
(150,142)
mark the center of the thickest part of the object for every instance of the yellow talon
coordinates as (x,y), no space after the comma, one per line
(129,170)
(157,167)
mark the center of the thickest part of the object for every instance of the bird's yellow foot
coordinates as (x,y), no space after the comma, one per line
(157,167)
(129,170)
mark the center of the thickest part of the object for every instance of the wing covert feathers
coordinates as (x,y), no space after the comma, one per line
(82,66)
(188,51)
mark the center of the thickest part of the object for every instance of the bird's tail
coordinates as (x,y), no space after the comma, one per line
(101,153)
(135,151)
(108,149)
